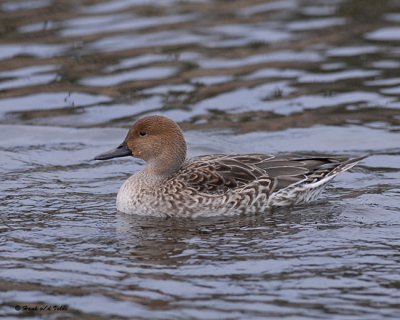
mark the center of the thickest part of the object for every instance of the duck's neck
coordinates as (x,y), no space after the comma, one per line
(168,162)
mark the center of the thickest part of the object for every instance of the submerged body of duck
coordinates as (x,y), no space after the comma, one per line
(171,185)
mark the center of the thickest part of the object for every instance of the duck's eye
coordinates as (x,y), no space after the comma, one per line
(142,133)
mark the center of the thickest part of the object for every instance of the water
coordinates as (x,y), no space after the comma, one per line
(319,77)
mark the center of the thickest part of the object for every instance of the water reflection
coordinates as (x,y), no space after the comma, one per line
(174,242)
(127,50)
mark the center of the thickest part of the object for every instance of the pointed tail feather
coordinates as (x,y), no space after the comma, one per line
(346,165)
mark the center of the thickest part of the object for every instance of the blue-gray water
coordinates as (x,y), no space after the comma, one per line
(313,77)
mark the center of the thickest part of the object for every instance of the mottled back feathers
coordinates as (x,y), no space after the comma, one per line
(219,173)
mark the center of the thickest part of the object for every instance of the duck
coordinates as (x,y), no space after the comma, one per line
(170,185)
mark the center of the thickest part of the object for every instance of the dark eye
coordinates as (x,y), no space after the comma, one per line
(142,133)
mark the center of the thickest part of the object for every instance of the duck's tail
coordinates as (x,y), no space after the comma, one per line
(305,191)
(346,165)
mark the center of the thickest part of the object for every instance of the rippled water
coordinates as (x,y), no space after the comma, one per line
(316,77)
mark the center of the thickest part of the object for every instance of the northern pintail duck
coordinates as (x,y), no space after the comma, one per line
(171,185)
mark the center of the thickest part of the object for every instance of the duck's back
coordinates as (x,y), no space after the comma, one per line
(220,173)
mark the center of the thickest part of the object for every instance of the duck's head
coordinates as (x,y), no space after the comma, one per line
(157,140)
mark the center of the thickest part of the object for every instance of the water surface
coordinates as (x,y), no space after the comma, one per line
(288,76)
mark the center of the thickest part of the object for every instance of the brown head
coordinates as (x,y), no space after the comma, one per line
(157,140)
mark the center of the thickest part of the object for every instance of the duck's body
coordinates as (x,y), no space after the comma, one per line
(214,184)
(229,185)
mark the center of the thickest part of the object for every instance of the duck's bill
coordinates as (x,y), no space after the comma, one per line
(121,151)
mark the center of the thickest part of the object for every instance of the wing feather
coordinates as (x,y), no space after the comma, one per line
(216,174)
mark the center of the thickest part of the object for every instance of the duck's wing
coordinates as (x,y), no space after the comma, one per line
(216,174)
(219,173)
